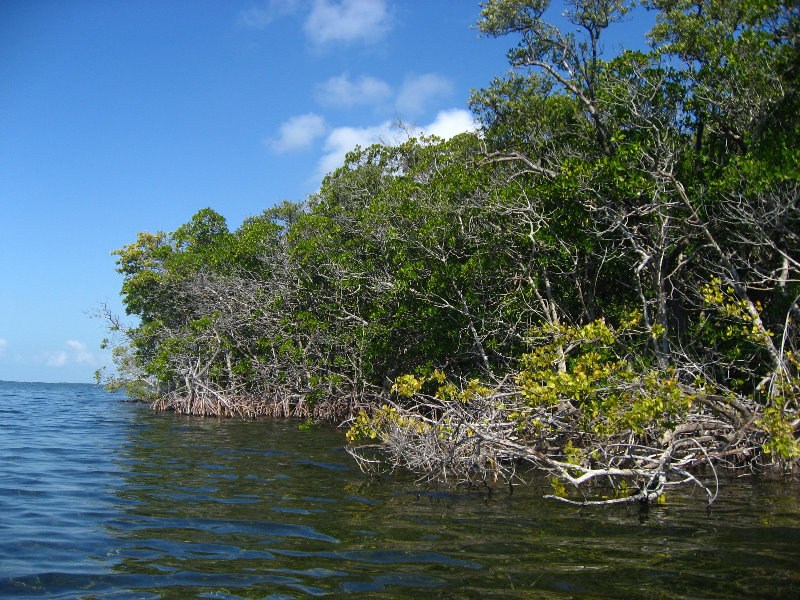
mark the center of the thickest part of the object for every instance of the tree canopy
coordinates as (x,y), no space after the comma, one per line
(602,284)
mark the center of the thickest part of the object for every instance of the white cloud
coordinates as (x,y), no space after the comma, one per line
(347,21)
(342,140)
(420,90)
(3,346)
(298,132)
(258,17)
(75,353)
(341,91)
(449,123)
(79,353)
(56,359)
(415,95)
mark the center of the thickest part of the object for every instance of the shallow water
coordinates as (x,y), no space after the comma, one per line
(101,498)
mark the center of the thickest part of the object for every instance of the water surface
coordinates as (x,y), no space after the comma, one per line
(101,498)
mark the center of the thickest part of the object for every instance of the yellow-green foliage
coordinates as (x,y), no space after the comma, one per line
(583,365)
(781,441)
(558,487)
(406,386)
(380,422)
(572,454)
(580,364)
(548,374)
(739,322)
(473,390)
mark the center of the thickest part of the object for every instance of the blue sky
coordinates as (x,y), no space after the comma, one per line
(125,116)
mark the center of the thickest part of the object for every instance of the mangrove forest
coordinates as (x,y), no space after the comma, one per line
(600,286)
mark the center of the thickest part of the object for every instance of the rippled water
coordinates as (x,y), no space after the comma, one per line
(101,498)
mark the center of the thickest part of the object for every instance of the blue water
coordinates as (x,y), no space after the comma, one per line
(101,498)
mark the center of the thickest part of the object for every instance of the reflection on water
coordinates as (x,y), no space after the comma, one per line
(266,507)
(104,499)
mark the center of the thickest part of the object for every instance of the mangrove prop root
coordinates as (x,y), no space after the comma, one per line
(483,442)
